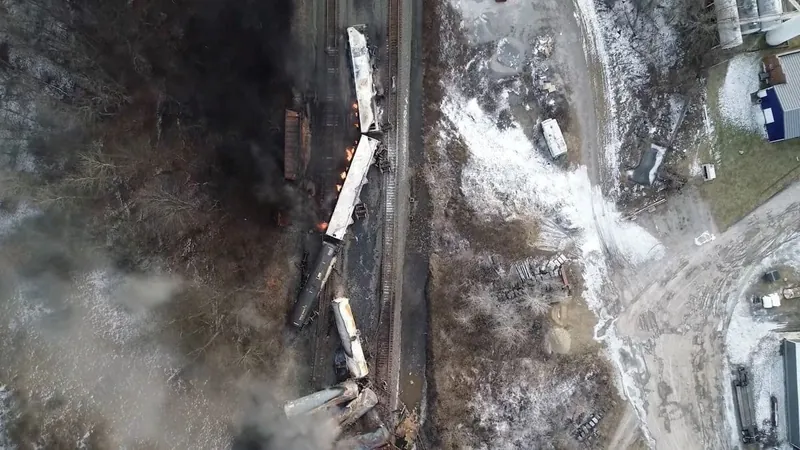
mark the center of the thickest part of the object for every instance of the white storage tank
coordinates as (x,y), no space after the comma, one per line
(784,32)
(770,11)
(730,33)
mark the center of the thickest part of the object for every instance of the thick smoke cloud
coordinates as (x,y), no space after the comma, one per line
(87,346)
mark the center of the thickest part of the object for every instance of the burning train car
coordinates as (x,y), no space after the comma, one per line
(363,79)
(354,178)
(342,217)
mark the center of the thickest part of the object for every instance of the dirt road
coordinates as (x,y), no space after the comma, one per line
(672,318)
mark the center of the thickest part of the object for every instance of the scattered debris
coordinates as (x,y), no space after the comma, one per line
(650,207)
(588,428)
(529,269)
(407,429)
(790,293)
(771,276)
(354,410)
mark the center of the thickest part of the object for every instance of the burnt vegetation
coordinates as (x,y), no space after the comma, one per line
(150,131)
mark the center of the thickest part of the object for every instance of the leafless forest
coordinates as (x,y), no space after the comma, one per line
(497,382)
(144,274)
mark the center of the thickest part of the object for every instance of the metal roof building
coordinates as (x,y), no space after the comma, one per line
(790,365)
(780,103)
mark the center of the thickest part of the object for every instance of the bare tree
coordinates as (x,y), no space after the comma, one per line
(535,304)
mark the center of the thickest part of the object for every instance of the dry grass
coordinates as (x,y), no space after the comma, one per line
(745,181)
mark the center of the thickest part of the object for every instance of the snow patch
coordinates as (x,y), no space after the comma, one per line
(519,414)
(752,339)
(506,175)
(735,105)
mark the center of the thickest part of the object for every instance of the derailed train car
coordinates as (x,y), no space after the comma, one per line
(351,338)
(316,280)
(355,179)
(341,218)
(363,79)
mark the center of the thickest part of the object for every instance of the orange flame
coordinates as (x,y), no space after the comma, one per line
(349,152)
(322,226)
(338,188)
(343,175)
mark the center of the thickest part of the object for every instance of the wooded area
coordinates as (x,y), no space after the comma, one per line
(147,134)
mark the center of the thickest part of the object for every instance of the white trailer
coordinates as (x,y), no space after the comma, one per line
(351,338)
(709,172)
(771,301)
(354,181)
(362,77)
(554,138)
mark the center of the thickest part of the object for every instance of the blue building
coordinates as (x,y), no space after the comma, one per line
(780,102)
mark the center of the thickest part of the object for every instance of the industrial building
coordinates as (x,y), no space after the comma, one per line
(780,100)
(790,365)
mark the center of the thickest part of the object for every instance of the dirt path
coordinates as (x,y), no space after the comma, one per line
(671,324)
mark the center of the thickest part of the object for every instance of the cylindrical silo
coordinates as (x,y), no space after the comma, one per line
(730,33)
(770,12)
(784,32)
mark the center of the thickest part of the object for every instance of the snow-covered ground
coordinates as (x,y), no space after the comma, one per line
(753,337)
(735,106)
(509,175)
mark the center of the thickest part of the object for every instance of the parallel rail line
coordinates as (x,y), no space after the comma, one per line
(386,343)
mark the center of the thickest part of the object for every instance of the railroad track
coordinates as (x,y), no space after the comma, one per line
(385,344)
(331,120)
(321,320)
(331,25)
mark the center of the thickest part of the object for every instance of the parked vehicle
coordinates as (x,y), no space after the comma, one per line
(744,407)
(773,406)
(789,293)
(704,238)
(554,138)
